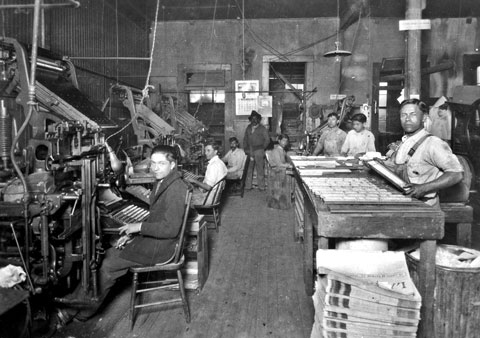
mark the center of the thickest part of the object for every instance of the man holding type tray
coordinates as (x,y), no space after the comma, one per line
(424,161)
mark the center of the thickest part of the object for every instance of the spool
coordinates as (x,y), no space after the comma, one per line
(5,134)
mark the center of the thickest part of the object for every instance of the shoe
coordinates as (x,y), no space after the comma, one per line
(62,318)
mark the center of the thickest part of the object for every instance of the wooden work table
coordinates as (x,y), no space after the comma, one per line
(369,220)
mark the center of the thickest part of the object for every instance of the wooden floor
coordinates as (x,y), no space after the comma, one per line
(255,287)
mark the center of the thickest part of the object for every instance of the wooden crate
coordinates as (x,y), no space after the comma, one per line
(195,271)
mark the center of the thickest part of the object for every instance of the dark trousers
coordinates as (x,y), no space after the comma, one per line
(113,267)
(259,164)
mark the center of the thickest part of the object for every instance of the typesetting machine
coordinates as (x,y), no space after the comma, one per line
(55,228)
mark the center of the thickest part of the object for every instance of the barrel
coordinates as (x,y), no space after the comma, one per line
(457,299)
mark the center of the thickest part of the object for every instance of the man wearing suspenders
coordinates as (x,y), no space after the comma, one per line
(421,159)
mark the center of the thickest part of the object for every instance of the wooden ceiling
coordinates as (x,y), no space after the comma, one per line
(144,10)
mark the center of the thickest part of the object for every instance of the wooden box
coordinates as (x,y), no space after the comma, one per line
(195,271)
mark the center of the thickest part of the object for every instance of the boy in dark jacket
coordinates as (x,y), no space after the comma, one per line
(154,240)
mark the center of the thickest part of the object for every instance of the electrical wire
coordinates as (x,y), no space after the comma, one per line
(116,32)
(243,39)
(258,39)
(271,49)
(202,90)
(3,20)
(147,85)
(353,46)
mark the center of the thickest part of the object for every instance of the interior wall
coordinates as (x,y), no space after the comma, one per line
(94,29)
(450,39)
(220,42)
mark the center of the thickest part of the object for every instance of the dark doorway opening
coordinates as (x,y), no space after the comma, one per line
(287,105)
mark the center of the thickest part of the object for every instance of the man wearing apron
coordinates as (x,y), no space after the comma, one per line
(331,138)
(421,159)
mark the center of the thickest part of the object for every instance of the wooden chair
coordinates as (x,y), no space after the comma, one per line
(174,265)
(236,187)
(211,205)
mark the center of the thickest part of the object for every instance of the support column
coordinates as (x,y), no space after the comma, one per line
(414,50)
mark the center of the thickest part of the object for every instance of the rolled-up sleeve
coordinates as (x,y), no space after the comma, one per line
(441,156)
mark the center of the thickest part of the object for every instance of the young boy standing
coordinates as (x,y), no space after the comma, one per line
(359,140)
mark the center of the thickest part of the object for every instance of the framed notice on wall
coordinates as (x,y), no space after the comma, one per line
(265,106)
(246,96)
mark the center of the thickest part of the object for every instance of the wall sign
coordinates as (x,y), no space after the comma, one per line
(246,96)
(415,24)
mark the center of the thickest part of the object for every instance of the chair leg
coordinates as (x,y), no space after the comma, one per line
(132,300)
(186,310)
(216,219)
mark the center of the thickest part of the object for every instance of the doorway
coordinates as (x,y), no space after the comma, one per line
(288,105)
(208,106)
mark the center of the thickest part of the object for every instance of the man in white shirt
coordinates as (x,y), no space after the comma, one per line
(216,171)
(235,160)
(359,140)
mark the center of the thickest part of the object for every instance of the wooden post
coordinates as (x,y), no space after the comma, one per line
(426,273)
(414,50)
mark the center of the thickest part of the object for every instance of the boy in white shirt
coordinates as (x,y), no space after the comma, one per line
(359,140)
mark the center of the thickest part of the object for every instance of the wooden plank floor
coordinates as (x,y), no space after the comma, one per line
(254,289)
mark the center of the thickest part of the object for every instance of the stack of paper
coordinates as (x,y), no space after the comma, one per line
(364,294)
(194,223)
(191,247)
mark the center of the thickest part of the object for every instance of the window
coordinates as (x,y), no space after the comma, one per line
(298,86)
(207,96)
(207,78)
(382,107)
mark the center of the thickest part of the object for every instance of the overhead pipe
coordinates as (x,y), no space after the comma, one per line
(108,58)
(447,65)
(69,3)
(414,50)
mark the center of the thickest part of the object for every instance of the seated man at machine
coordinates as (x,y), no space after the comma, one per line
(421,159)
(331,139)
(151,242)
(235,160)
(216,171)
(277,157)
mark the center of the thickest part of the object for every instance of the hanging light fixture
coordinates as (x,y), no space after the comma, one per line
(337,53)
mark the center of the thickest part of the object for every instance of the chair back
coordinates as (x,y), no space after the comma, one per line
(245,168)
(213,196)
(179,247)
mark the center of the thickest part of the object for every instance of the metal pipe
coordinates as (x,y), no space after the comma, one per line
(31,107)
(108,58)
(45,247)
(69,3)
